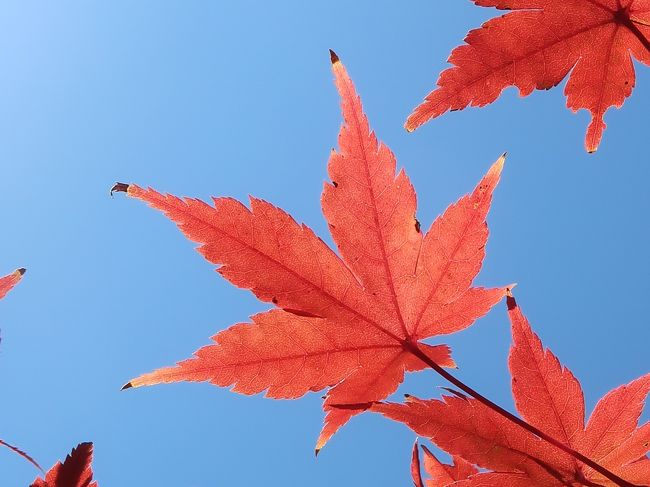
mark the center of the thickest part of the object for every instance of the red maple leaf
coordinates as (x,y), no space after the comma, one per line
(440,474)
(8,282)
(75,471)
(355,322)
(536,46)
(549,397)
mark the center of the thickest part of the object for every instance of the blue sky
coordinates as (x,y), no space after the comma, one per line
(236,98)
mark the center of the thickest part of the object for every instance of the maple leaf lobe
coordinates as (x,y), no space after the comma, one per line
(415,465)
(74,471)
(440,474)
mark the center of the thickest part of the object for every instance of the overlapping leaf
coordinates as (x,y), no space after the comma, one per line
(549,397)
(352,322)
(536,46)
(75,471)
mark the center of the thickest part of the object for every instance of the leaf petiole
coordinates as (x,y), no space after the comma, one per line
(22,454)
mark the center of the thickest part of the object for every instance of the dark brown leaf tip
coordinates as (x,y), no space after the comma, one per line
(119,188)
(128,385)
(334,57)
(510,301)
(21,271)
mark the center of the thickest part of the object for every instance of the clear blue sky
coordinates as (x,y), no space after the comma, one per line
(236,98)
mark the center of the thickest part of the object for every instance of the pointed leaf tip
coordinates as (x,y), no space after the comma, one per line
(126,386)
(21,271)
(416,473)
(334,57)
(500,162)
(119,188)
(510,301)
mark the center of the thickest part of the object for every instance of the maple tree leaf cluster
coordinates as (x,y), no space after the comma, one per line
(354,322)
